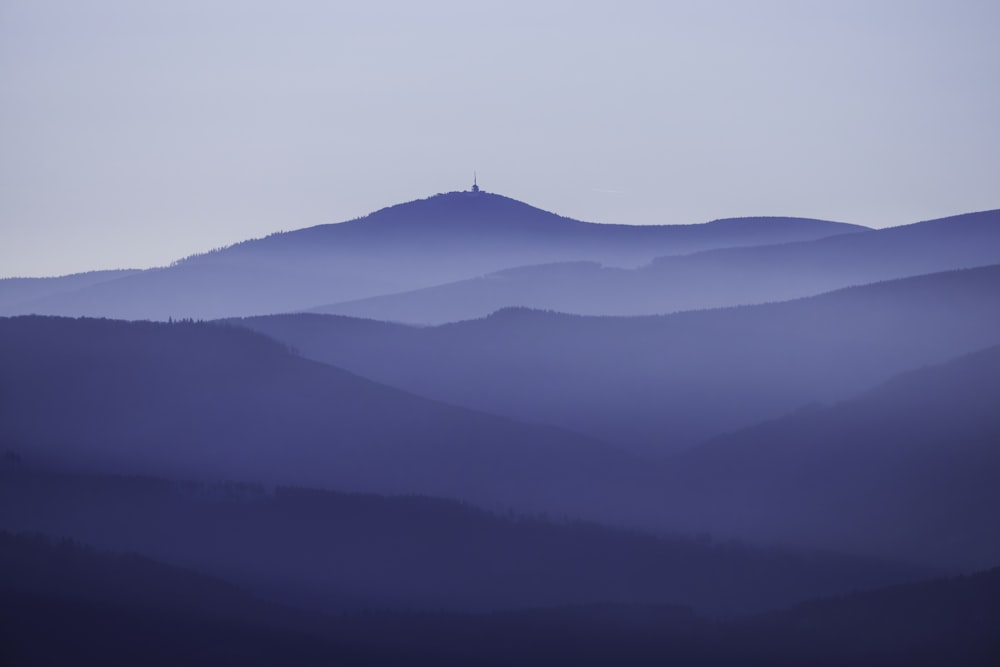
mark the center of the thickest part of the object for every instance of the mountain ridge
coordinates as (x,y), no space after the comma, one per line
(905,467)
(725,277)
(666,380)
(440,239)
(461,206)
(206,401)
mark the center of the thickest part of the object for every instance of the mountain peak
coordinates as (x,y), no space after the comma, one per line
(463,208)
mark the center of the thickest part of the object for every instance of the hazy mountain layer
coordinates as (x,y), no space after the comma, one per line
(210,401)
(66,601)
(443,238)
(16,293)
(337,551)
(659,384)
(711,279)
(906,470)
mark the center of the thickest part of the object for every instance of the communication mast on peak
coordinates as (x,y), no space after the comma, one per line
(475,183)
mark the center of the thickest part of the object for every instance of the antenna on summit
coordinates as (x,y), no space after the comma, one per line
(475,183)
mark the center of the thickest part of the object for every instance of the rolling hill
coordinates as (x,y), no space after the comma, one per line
(443,238)
(906,470)
(340,552)
(656,385)
(15,292)
(66,601)
(213,402)
(709,279)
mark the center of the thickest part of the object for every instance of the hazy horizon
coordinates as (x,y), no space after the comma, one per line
(137,134)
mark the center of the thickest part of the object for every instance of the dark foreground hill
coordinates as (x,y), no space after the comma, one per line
(337,551)
(907,470)
(660,384)
(710,279)
(218,402)
(65,601)
(440,239)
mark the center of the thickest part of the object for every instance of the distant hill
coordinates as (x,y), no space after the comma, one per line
(660,384)
(907,470)
(215,402)
(443,238)
(709,279)
(17,292)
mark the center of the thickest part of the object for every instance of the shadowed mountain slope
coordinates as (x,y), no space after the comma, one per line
(659,384)
(940,622)
(66,568)
(337,551)
(907,470)
(945,621)
(710,279)
(65,603)
(440,239)
(209,401)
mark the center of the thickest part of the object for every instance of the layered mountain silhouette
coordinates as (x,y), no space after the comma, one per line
(757,411)
(709,279)
(907,468)
(655,385)
(444,238)
(214,402)
(347,552)
(66,600)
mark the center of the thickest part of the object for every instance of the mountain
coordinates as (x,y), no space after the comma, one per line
(67,568)
(658,384)
(16,293)
(347,552)
(940,622)
(215,402)
(709,279)
(907,470)
(440,239)
(65,600)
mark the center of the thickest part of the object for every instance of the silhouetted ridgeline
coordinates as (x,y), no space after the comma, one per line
(63,601)
(710,279)
(441,239)
(341,551)
(210,401)
(660,384)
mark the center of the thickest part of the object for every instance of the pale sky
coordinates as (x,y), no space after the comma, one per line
(133,132)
